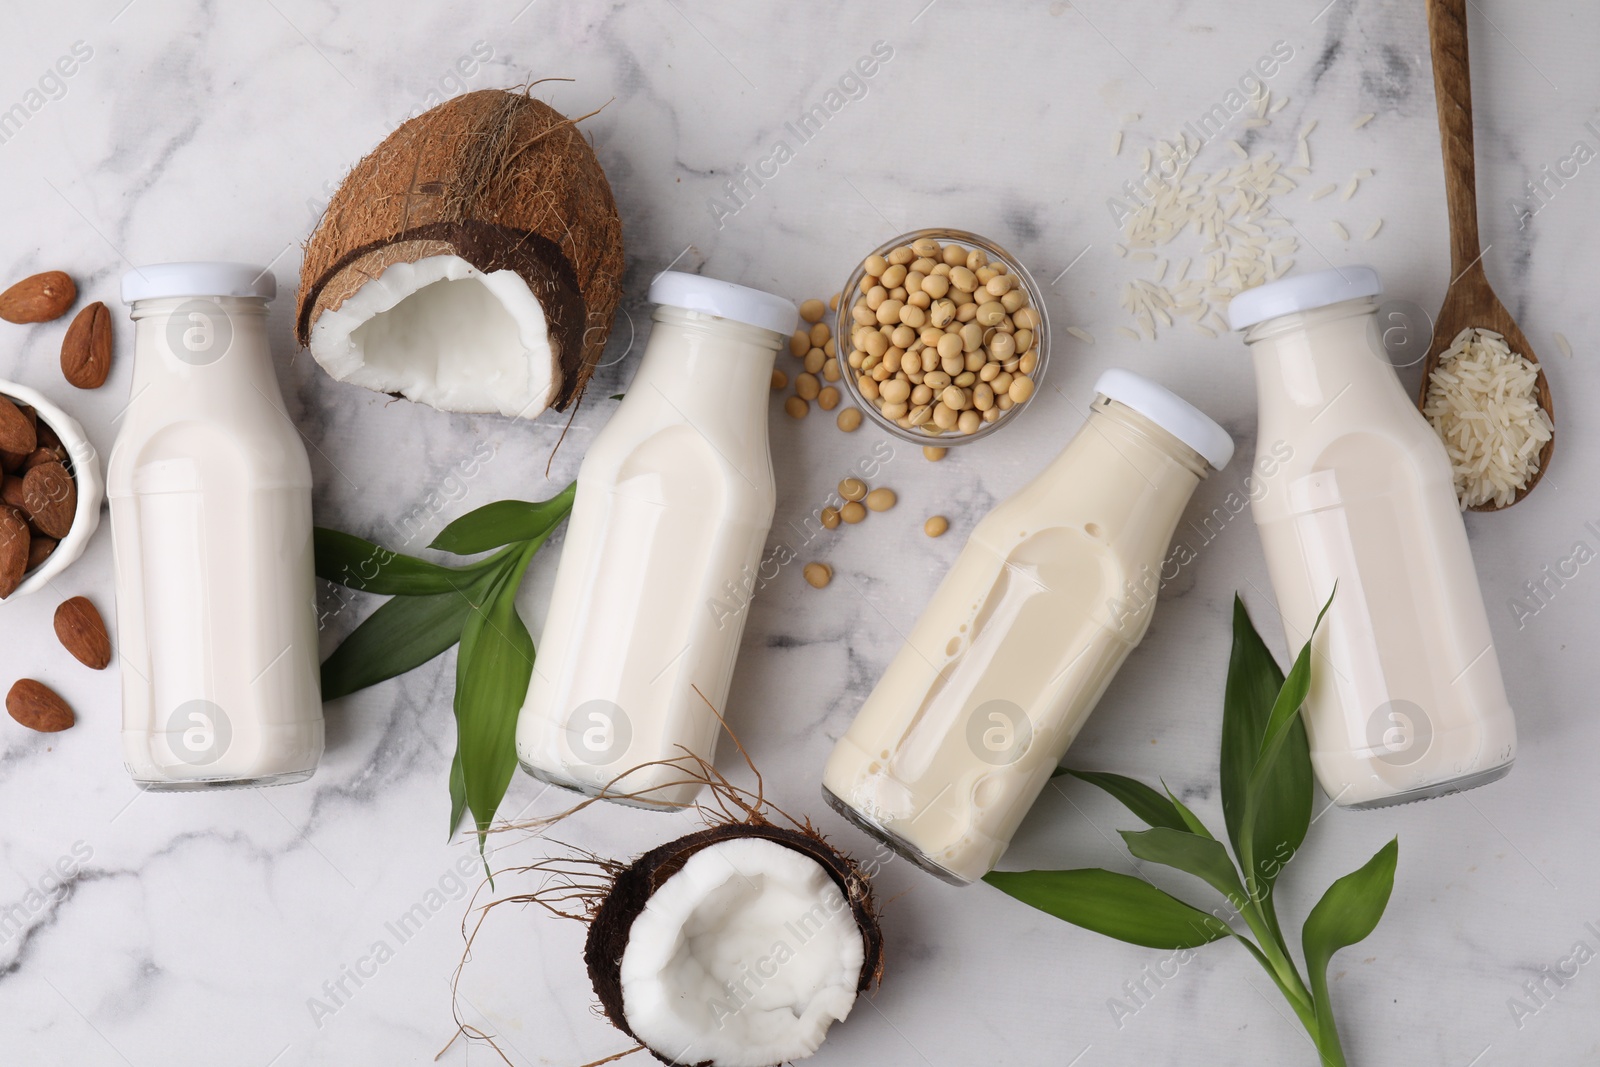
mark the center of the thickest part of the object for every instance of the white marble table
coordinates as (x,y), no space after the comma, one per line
(196,929)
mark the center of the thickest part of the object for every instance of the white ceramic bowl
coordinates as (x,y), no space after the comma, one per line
(85,470)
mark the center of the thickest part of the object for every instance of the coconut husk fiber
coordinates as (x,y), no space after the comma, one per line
(500,179)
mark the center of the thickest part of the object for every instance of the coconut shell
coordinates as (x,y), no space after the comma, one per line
(501,180)
(613,918)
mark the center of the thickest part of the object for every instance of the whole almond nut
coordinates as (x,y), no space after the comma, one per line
(86,351)
(39,550)
(41,455)
(48,438)
(38,707)
(51,499)
(40,298)
(14,542)
(82,632)
(11,491)
(17,431)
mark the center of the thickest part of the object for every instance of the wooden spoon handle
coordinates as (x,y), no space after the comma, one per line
(1452,87)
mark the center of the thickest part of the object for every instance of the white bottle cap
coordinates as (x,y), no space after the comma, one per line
(725,300)
(198,279)
(1169,411)
(1302,292)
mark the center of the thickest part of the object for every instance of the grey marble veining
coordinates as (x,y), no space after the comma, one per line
(322,923)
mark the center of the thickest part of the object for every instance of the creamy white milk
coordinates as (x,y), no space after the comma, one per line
(675,500)
(1407,700)
(210,495)
(1050,594)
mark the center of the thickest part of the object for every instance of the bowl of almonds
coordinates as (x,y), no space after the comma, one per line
(50,492)
(947,336)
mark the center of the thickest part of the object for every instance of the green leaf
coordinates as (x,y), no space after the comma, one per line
(503,522)
(1286,708)
(1149,805)
(403,634)
(1202,856)
(458,794)
(357,563)
(1191,821)
(493,669)
(1116,905)
(1346,914)
(1254,683)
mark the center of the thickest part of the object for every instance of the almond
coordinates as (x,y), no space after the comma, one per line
(11,491)
(38,707)
(14,540)
(38,299)
(51,499)
(18,432)
(39,549)
(48,438)
(83,633)
(86,351)
(43,454)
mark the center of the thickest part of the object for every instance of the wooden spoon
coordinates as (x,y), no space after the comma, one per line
(1469,301)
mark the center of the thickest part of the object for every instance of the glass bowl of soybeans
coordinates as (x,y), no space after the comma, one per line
(946,334)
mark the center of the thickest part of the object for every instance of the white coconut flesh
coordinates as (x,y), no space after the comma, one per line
(443,333)
(744,957)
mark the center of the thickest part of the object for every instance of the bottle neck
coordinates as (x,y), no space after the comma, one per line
(200,341)
(1139,441)
(705,365)
(1309,358)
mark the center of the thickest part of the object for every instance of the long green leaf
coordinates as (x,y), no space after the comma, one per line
(1203,857)
(1149,805)
(357,563)
(1283,723)
(1116,905)
(1191,821)
(1346,914)
(503,522)
(493,669)
(1286,708)
(403,634)
(1254,682)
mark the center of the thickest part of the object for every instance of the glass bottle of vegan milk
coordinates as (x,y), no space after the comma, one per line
(675,501)
(1050,594)
(1406,697)
(210,496)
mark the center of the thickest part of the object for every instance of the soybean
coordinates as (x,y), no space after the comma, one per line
(817,574)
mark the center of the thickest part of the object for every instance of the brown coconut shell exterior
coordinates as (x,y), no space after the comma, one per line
(505,182)
(613,918)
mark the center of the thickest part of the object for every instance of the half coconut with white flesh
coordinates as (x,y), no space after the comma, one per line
(738,946)
(472,262)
